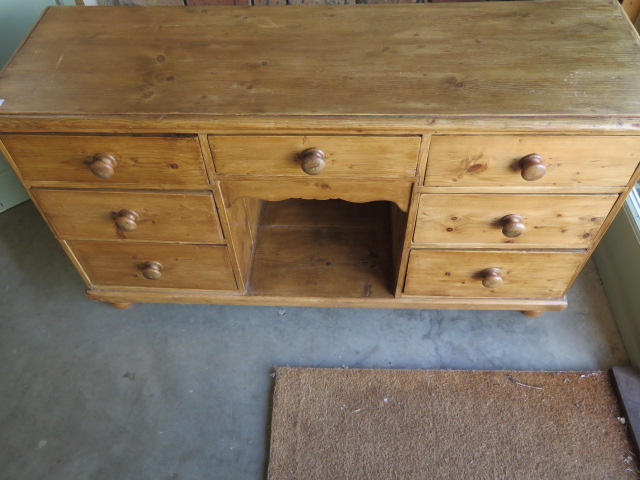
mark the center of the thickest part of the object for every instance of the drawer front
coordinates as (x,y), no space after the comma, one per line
(100,215)
(140,161)
(193,267)
(348,156)
(552,221)
(451,273)
(469,160)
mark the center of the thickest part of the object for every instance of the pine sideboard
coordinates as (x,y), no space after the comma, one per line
(466,155)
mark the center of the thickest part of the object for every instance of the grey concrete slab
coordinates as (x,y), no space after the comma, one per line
(182,392)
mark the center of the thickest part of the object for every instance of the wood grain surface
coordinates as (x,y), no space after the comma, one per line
(550,221)
(352,189)
(323,249)
(326,213)
(141,161)
(456,273)
(351,156)
(326,124)
(510,58)
(194,267)
(243,218)
(165,217)
(131,294)
(481,160)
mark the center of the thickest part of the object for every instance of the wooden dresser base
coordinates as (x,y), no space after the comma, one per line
(526,305)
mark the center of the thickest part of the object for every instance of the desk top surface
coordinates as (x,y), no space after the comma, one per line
(547,58)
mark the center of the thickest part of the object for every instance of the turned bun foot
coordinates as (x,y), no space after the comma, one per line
(532,313)
(122,305)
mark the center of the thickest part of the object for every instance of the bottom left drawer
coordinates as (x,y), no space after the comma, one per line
(191,267)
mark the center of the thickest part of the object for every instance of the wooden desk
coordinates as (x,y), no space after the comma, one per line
(424,156)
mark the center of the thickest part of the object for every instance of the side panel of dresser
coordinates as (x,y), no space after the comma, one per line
(476,195)
(102,220)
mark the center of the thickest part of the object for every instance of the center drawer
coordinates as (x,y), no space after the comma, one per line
(113,215)
(333,156)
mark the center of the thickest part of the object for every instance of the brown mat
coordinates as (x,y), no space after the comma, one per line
(424,424)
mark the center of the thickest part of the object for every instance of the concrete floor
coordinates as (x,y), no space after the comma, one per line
(177,392)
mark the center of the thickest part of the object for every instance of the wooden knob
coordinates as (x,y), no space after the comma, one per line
(103,165)
(126,220)
(313,161)
(532,167)
(512,226)
(152,270)
(491,277)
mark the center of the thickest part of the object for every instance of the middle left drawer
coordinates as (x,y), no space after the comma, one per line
(125,215)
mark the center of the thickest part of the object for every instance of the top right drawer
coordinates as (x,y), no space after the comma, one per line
(531,160)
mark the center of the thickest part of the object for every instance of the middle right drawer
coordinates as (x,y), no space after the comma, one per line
(518,220)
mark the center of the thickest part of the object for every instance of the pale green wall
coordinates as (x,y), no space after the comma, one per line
(618,261)
(16,18)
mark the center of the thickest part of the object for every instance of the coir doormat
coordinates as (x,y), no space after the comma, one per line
(445,424)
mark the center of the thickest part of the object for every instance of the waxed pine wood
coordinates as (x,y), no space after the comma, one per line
(242,230)
(141,161)
(193,267)
(253,208)
(329,124)
(323,249)
(631,8)
(357,189)
(492,160)
(550,221)
(457,273)
(327,213)
(509,58)
(163,217)
(338,266)
(349,156)
(123,295)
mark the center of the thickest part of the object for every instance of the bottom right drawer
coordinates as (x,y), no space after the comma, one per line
(491,273)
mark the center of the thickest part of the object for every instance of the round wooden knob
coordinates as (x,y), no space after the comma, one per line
(313,161)
(512,226)
(491,277)
(152,270)
(532,167)
(126,220)
(103,165)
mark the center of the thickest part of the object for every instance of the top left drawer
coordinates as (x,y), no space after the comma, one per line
(119,160)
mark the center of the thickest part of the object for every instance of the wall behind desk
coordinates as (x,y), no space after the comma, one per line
(16,19)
